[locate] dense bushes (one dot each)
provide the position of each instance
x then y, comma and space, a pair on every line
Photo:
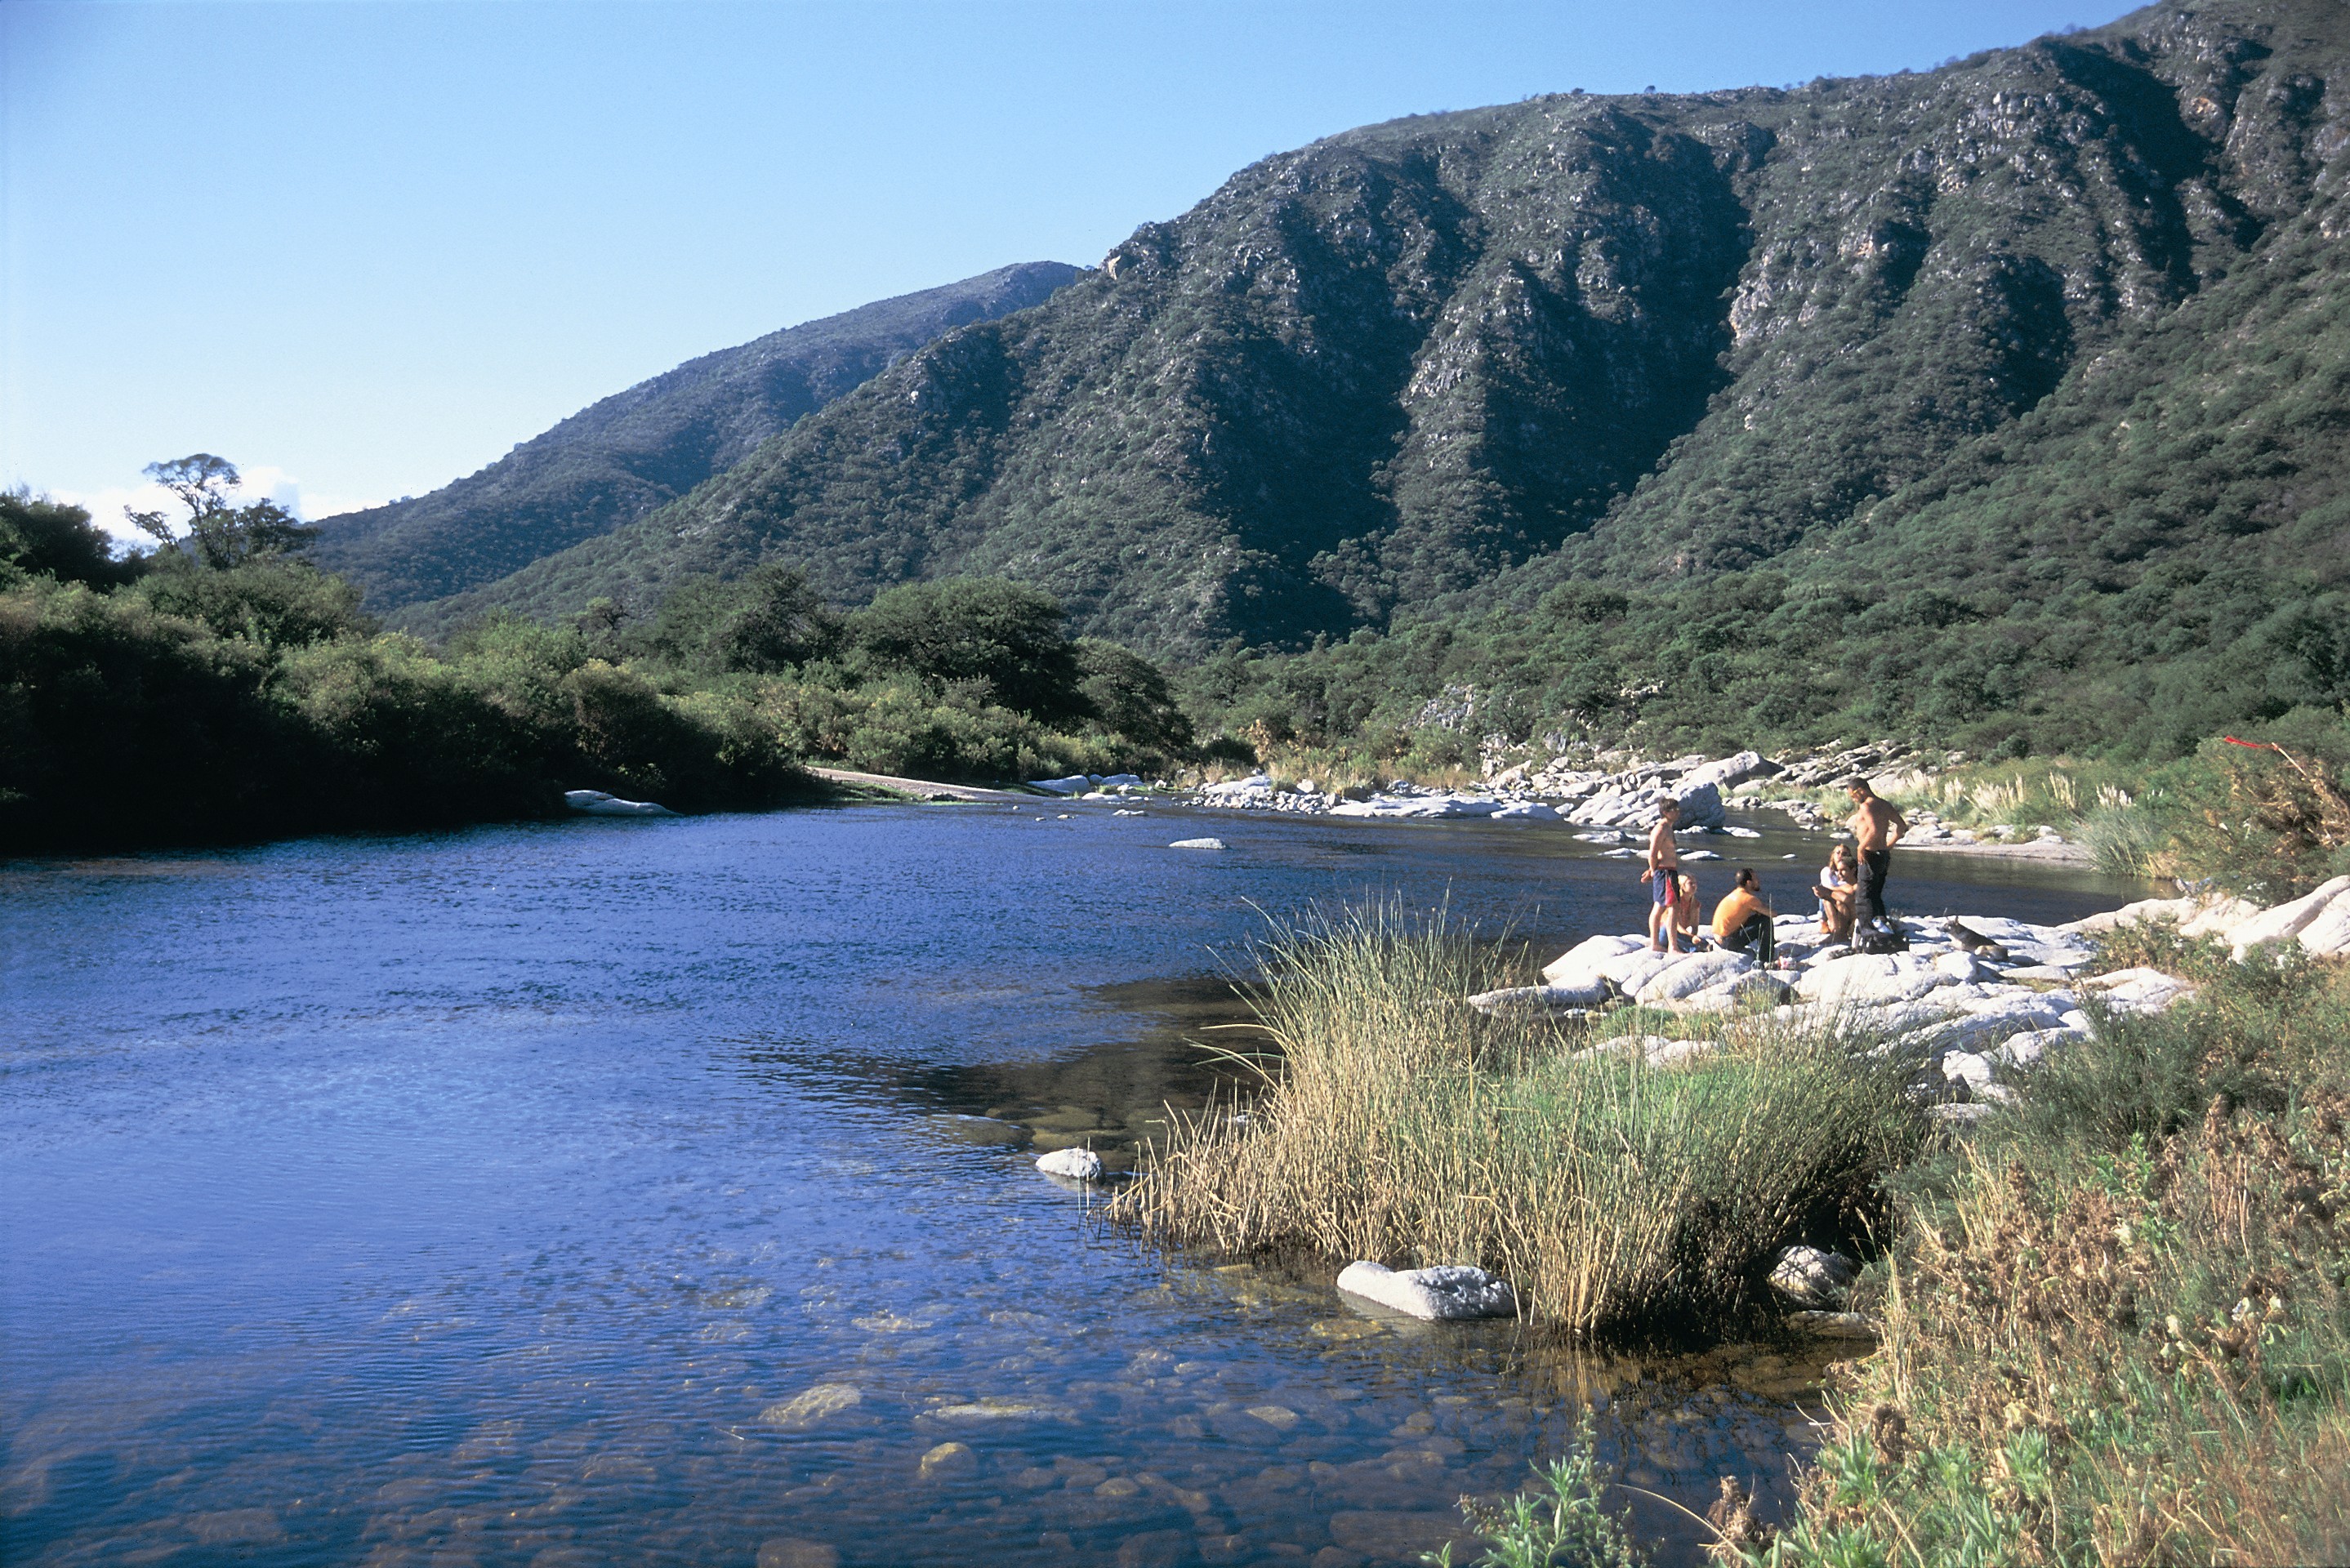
167, 700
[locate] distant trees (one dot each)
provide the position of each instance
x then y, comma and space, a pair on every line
959, 630
219, 533
41, 536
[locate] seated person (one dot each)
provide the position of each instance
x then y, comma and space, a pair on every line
1687, 910
1838, 892
1743, 920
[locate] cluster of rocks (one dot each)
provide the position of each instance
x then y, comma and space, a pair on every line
1627, 799
1096, 786
1976, 1001
2318, 922
1972, 1001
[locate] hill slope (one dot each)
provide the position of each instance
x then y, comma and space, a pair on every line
616, 459
2056, 330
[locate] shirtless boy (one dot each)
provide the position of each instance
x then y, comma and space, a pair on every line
1876, 826
1663, 876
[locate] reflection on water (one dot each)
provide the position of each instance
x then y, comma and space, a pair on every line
662, 1192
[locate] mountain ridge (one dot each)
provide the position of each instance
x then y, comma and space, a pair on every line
625, 454
1448, 364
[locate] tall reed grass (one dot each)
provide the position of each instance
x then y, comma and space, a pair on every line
1400, 1125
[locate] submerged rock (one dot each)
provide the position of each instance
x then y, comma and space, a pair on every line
807, 1410
1198, 844
1443, 1293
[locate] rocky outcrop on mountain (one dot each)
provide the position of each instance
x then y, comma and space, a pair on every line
612, 463
1636, 336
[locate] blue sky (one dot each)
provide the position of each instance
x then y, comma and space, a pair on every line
361, 249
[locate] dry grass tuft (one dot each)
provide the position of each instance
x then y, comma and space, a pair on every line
1400, 1125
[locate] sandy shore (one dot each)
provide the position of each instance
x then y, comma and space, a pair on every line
2034, 849
920, 789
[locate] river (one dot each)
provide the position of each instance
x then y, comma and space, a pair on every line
499, 1197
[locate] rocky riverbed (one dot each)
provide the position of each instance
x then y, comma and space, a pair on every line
1722, 795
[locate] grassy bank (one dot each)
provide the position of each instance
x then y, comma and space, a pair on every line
2115, 1318
1401, 1124
2116, 1325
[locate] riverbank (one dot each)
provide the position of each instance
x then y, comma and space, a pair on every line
1617, 793
2108, 1295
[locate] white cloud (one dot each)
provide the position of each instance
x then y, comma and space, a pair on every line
105, 506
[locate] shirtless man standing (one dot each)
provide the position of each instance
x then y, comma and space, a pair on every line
1663, 878
1876, 826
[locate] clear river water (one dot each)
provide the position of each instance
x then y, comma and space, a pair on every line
650, 1192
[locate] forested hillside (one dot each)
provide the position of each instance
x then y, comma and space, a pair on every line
2005, 402
619, 459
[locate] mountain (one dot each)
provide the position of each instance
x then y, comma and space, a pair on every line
2056, 331
614, 461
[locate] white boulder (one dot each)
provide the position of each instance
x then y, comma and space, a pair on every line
1586, 957
2329, 933
1442, 1293
1729, 771
1967, 1067
1198, 844
595, 803
1542, 999
1076, 784
1692, 973
2286, 919
1960, 967
1079, 1164
1814, 1277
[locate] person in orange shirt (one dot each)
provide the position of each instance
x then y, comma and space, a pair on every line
1742, 919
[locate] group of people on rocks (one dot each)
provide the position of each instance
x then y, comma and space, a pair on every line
1851, 889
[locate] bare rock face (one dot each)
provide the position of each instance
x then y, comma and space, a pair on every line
1447, 1291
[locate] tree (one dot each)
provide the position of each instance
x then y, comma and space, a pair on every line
41, 536
219, 534
778, 621
961, 630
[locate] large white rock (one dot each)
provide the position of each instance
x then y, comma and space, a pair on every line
1700, 805
1730, 770
595, 803
1540, 999
2172, 910
1757, 985
1527, 811
1076, 784
1585, 957
1812, 1277
2026, 1049
2139, 989
1966, 1067
1197, 844
1960, 967
1442, 1293
1082, 1164
2329, 931
2286, 919
1693, 974
2217, 914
